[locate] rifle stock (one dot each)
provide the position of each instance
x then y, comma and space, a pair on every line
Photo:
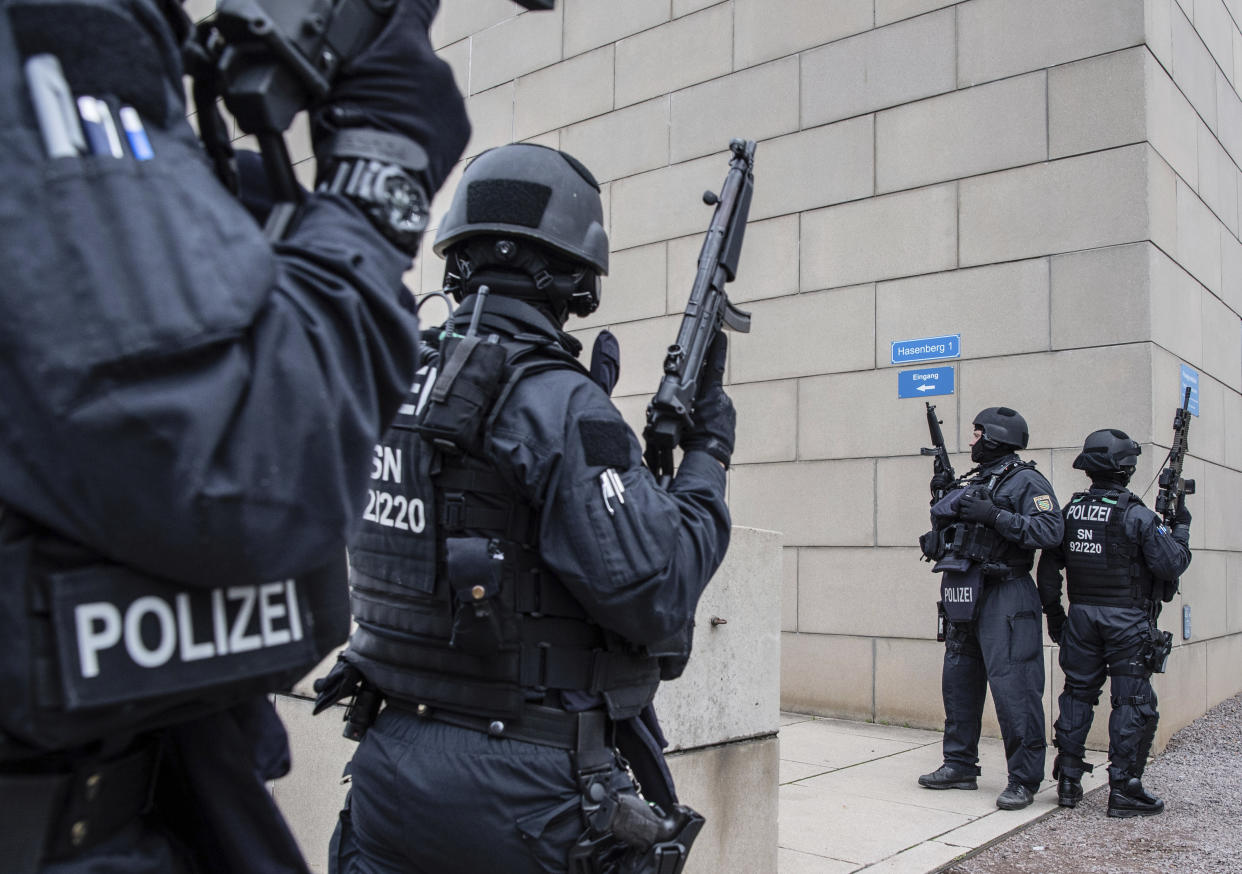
671, 409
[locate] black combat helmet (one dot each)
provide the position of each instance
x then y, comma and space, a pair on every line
515, 195
1108, 451
1002, 426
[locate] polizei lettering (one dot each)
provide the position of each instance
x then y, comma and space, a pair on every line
958, 594
154, 631
1088, 512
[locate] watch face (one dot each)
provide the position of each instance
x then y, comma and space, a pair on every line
403, 201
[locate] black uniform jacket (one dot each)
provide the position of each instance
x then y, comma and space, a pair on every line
635, 556
1029, 515
176, 393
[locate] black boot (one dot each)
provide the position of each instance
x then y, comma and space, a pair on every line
1015, 797
1128, 798
1069, 791
950, 777
1067, 771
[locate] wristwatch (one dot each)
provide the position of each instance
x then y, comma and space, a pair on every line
382, 173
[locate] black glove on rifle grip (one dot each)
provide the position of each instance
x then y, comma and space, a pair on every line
714, 420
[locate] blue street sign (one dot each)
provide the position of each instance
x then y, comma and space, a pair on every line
1190, 377
927, 349
924, 382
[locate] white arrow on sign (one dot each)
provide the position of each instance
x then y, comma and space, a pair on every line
926, 387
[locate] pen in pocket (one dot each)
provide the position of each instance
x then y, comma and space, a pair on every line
139, 143
53, 105
110, 131
92, 126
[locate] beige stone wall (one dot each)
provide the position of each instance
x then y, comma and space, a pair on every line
1057, 181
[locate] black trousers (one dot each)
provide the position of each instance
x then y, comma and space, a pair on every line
1001, 649
211, 809
1097, 642
432, 798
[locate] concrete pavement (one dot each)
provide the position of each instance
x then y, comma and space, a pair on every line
850, 801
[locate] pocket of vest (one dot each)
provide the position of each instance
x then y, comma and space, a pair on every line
481, 624
121, 636
463, 395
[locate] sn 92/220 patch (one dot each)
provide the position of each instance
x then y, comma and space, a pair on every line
1043, 503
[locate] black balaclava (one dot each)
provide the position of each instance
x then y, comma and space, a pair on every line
1106, 479
986, 451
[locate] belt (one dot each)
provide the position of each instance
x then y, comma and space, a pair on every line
56, 815
546, 726
999, 572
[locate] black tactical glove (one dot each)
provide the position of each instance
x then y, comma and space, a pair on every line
1181, 525
714, 419
342, 682
606, 361
976, 506
1056, 622
398, 85
942, 482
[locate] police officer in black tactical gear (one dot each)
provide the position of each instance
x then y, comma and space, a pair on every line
1120, 562
521, 583
187, 416
984, 535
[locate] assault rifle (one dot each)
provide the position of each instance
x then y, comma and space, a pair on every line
671, 409
270, 59
1173, 489
941, 465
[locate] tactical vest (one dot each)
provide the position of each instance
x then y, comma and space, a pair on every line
982, 544
1102, 564
454, 607
90, 649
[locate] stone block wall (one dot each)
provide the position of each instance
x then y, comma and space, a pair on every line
1056, 181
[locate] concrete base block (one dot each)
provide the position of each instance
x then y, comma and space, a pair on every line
734, 786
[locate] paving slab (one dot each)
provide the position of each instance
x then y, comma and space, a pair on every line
795, 862
927, 856
791, 772
854, 828
895, 779
916, 736
850, 799
815, 743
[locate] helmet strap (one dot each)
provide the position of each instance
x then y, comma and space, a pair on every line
531, 276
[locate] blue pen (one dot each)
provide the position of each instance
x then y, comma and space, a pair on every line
92, 125
109, 125
136, 134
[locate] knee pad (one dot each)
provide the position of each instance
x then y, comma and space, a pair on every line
1086, 696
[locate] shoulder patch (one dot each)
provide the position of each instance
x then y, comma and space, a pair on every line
605, 442
1043, 503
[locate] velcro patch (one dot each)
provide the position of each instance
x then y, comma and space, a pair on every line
506, 201
1043, 503
605, 442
